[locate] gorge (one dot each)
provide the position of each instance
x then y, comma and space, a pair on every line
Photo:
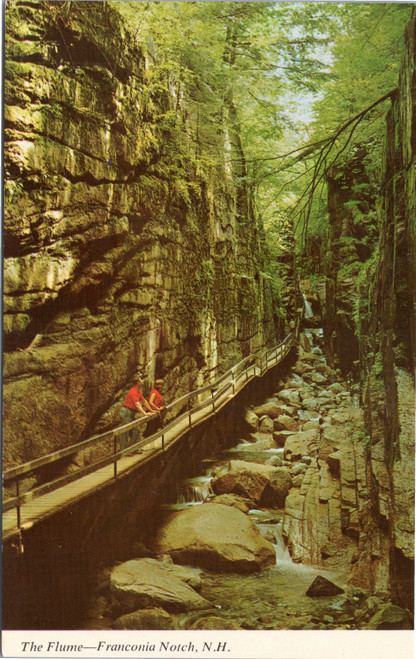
170, 210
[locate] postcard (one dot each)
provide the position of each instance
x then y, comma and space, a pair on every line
209, 267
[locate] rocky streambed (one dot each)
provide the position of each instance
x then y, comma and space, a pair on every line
267, 537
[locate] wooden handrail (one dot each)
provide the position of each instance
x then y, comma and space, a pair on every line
16, 473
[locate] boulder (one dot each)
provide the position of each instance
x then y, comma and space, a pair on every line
311, 425
216, 537
318, 378
259, 437
301, 444
290, 397
262, 445
327, 393
390, 616
285, 422
275, 461
322, 587
147, 582
266, 425
234, 501
298, 468
252, 420
336, 388
310, 404
145, 619
245, 478
297, 481
278, 488
300, 368
272, 410
281, 436
340, 417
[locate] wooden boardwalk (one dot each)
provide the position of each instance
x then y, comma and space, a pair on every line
27, 509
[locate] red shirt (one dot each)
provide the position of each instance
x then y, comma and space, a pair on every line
134, 396
158, 401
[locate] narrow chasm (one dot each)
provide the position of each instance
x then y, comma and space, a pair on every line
296, 484
209, 317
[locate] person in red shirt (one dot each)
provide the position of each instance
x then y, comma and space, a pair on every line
135, 402
155, 398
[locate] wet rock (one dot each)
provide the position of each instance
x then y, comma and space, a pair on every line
390, 616
145, 619
247, 479
318, 378
331, 438
327, 393
298, 445
216, 537
275, 461
310, 425
297, 469
290, 397
285, 422
260, 437
147, 582
310, 404
272, 410
343, 416
293, 384
281, 436
336, 388
214, 622
262, 445
278, 488
266, 425
234, 501
322, 587
300, 368
252, 420
310, 357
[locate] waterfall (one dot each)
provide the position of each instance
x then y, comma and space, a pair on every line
197, 490
282, 553
308, 308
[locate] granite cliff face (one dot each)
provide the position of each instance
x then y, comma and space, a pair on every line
124, 252
383, 298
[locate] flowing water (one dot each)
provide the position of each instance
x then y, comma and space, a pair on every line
274, 598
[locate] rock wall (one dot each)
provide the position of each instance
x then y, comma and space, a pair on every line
385, 329
123, 252
352, 237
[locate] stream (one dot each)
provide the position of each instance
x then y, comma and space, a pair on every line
274, 598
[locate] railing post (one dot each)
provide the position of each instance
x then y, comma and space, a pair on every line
115, 459
233, 381
18, 504
162, 418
